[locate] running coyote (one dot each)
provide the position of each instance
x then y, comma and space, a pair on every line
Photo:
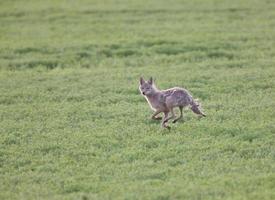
165, 101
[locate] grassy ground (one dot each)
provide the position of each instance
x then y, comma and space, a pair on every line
72, 122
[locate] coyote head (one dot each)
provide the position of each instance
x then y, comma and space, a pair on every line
146, 87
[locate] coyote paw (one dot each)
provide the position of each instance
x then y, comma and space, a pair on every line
166, 127
175, 120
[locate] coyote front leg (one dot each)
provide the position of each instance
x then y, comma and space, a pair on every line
163, 123
166, 119
155, 114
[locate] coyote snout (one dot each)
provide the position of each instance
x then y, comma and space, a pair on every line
164, 101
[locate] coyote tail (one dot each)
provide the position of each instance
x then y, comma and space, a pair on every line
195, 107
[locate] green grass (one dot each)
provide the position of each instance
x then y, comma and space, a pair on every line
74, 126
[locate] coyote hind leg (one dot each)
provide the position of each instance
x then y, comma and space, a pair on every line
175, 120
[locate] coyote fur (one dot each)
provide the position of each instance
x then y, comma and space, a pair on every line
164, 101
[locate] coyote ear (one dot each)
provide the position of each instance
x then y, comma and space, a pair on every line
150, 81
141, 81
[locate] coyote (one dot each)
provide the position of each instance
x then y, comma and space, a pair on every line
166, 100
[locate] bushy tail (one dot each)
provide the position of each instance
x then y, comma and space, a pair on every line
195, 107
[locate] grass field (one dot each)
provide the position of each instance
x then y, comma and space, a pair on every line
74, 126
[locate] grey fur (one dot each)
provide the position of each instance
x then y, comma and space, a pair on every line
164, 101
